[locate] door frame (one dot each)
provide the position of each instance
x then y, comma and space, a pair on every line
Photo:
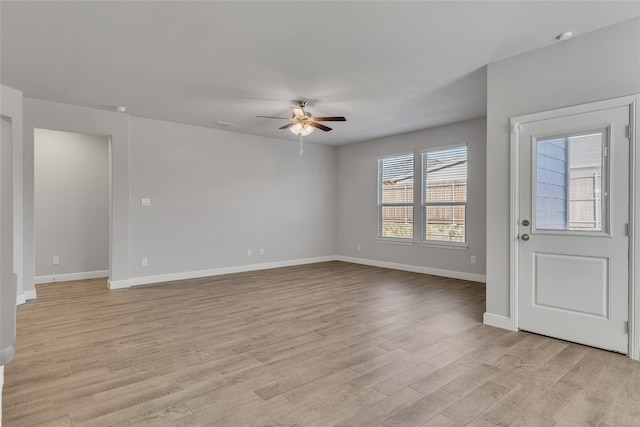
630, 101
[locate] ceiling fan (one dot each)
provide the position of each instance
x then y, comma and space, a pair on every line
302, 123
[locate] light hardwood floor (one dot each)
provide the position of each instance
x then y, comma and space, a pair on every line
316, 345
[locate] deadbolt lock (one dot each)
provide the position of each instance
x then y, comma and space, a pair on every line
525, 222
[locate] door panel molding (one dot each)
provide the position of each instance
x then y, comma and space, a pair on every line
593, 268
634, 215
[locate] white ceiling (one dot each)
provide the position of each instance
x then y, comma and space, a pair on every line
389, 67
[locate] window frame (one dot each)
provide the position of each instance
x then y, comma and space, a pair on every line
424, 204
412, 204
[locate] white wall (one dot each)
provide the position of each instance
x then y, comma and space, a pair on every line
71, 205
8, 286
357, 202
11, 231
11, 104
215, 194
596, 66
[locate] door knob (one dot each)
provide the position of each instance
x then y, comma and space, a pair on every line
525, 237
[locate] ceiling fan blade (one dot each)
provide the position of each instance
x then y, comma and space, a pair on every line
271, 117
319, 126
287, 126
329, 119
298, 112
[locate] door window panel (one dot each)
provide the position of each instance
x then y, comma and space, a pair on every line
569, 182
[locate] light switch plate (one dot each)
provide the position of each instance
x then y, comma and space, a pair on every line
145, 202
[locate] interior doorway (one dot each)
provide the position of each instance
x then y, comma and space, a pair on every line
72, 206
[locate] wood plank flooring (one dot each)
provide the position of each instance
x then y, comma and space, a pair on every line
316, 345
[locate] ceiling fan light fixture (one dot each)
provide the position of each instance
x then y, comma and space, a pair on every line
301, 129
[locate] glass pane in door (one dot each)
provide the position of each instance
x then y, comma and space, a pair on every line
569, 182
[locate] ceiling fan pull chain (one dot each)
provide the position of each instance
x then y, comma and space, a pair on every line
301, 148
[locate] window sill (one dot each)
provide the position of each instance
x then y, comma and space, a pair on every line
445, 245
395, 241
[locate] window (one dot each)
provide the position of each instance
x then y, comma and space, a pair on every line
395, 196
569, 182
444, 194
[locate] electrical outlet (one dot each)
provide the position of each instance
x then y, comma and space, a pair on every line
248, 252
473, 259
261, 251
145, 202
56, 260
359, 247
144, 262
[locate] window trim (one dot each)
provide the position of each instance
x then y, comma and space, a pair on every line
423, 241
396, 240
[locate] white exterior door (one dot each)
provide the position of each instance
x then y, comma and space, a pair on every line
573, 249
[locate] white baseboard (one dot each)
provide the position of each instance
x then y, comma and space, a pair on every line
415, 269
27, 295
71, 276
146, 280
498, 321
118, 284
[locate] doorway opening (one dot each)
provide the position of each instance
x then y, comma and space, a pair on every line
72, 206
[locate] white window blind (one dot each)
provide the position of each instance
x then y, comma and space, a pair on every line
395, 196
444, 194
